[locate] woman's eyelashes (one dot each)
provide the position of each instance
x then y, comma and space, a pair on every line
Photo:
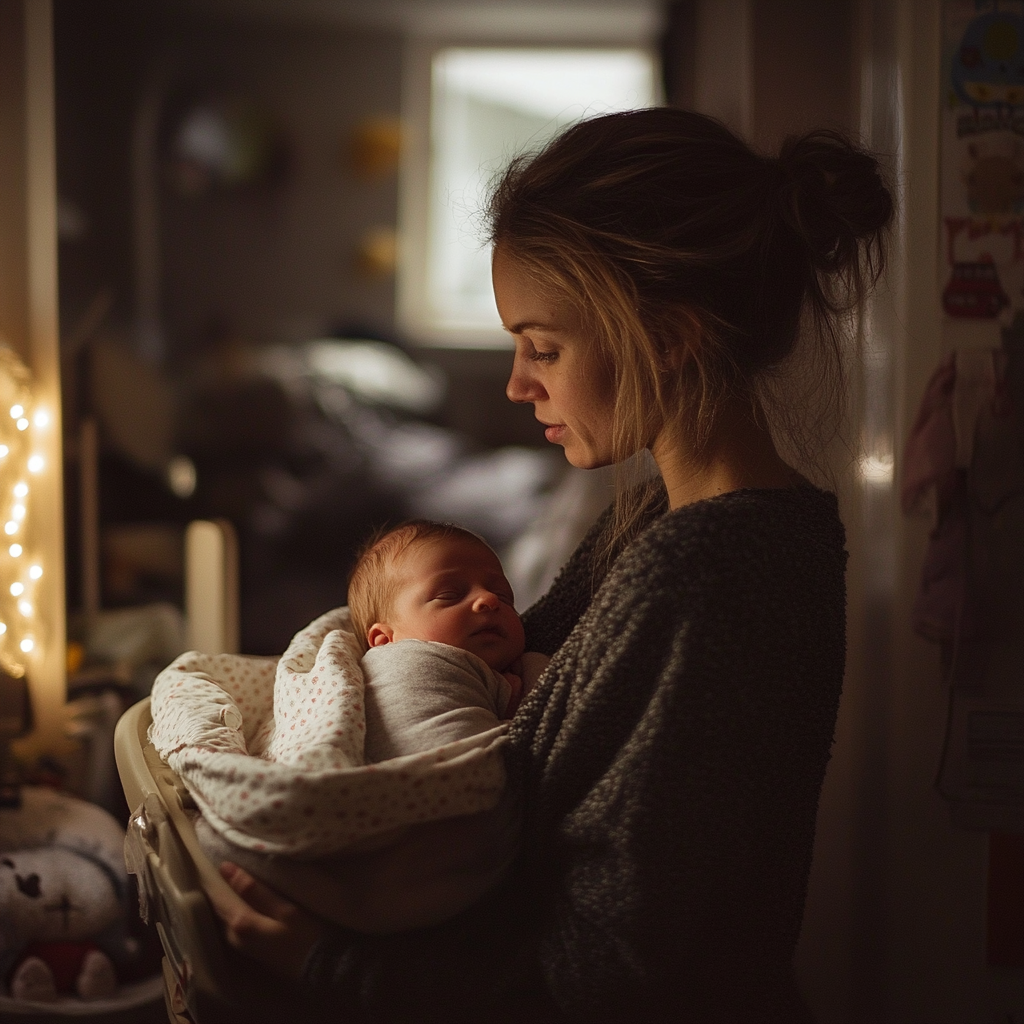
538, 356
535, 354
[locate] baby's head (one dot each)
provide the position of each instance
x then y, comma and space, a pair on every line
435, 581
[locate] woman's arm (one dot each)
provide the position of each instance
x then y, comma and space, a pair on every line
478, 966
676, 768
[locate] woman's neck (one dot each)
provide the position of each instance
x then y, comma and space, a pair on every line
739, 454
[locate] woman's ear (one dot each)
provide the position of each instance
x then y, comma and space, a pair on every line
681, 343
379, 634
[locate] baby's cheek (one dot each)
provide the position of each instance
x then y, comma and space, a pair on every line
448, 633
442, 633
518, 636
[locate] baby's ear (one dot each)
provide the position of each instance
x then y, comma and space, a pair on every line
379, 634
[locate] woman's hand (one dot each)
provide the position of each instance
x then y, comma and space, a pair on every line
269, 929
516, 684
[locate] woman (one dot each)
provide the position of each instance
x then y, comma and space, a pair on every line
654, 273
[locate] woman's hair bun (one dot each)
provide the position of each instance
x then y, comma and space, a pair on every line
834, 197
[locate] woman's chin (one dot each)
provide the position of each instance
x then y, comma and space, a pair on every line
584, 459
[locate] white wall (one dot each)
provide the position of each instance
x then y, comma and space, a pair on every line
895, 924
895, 928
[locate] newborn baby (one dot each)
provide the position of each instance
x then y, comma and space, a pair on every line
416, 593
442, 666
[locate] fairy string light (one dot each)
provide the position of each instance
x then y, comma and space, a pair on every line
23, 424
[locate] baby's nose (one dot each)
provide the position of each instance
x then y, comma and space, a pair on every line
485, 599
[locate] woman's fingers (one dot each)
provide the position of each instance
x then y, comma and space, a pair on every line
259, 896
244, 924
248, 927
266, 927
227, 909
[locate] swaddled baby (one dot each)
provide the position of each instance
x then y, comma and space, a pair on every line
442, 663
422, 597
429, 653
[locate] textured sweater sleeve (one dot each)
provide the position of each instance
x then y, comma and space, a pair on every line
677, 765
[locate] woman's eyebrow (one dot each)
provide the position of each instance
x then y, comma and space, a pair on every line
531, 325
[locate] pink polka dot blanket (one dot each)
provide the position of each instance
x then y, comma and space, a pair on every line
272, 750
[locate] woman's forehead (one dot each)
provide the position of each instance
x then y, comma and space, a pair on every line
524, 303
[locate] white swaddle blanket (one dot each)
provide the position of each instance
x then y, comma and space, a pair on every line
272, 750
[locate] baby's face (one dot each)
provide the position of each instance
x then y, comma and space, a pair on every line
455, 592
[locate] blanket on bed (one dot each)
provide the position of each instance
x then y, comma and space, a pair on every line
272, 750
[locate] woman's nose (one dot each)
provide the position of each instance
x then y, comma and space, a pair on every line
521, 385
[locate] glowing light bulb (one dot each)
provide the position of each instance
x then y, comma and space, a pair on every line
22, 424
42, 418
3, 628
10, 527
16, 411
27, 644
18, 512
36, 463
181, 476
20, 489
25, 608
4, 451
35, 571
14, 550
17, 589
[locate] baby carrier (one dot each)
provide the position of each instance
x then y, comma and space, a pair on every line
205, 981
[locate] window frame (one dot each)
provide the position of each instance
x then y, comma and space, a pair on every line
413, 309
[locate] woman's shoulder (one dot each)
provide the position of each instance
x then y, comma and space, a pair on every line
792, 536
752, 580
740, 594
716, 544
797, 514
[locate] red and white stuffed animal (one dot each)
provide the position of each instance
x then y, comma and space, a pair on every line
55, 901
62, 898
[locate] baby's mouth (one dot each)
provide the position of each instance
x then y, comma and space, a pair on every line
495, 631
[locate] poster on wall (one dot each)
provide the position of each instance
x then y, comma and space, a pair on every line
974, 428
982, 186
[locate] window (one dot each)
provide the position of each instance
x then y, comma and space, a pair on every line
485, 105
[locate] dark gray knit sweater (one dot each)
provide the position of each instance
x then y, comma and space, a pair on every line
670, 763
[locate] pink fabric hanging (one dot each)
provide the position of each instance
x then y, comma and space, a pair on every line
936, 460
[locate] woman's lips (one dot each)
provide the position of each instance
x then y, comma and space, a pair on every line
555, 433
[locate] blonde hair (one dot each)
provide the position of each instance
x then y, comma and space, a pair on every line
692, 260
373, 581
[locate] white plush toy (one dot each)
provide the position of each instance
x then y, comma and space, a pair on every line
56, 901
63, 889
